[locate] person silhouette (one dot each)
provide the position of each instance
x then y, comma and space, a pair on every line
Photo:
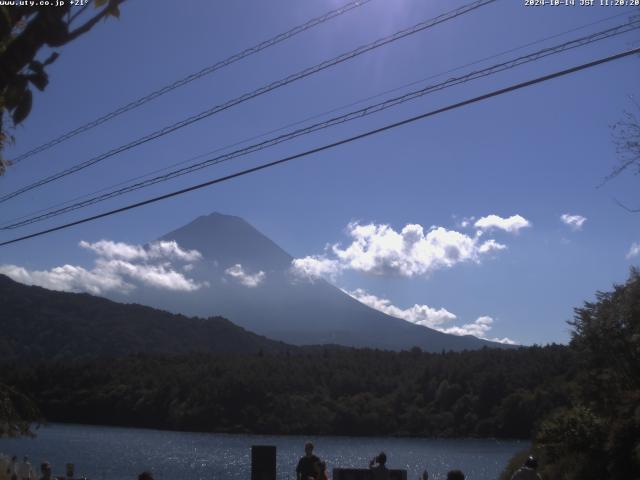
24, 469
378, 467
45, 469
309, 466
528, 470
12, 469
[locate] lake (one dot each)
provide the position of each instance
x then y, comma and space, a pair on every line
112, 453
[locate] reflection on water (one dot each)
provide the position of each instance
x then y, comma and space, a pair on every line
106, 453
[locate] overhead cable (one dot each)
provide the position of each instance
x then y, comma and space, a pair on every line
344, 141
312, 117
193, 76
369, 110
309, 118
255, 93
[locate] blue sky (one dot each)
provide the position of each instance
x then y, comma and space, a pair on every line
538, 153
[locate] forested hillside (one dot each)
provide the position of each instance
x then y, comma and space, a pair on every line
42, 324
335, 391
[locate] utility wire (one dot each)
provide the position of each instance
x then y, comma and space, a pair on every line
344, 141
255, 93
371, 109
194, 76
8, 223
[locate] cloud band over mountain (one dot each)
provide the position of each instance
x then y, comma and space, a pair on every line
120, 267
429, 317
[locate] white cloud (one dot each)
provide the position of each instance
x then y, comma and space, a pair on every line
69, 278
429, 317
116, 269
512, 224
109, 249
419, 314
244, 278
491, 245
466, 222
380, 250
158, 276
171, 250
575, 222
315, 266
634, 251
154, 251
479, 328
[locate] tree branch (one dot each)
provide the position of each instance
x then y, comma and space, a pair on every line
89, 24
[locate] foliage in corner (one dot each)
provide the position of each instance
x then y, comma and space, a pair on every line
626, 137
598, 435
17, 413
24, 30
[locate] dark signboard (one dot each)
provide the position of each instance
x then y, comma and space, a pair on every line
263, 462
365, 474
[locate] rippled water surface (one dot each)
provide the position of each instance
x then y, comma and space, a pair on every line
106, 453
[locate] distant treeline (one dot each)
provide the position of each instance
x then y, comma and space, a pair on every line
485, 393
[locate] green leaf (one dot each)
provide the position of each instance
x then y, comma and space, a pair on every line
40, 80
52, 58
36, 67
99, 3
15, 91
24, 108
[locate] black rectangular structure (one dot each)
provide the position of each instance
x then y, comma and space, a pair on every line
365, 474
263, 462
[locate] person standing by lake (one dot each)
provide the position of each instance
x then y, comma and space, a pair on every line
24, 470
309, 467
378, 467
12, 470
45, 469
527, 471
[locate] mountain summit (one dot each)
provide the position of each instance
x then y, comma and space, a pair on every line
230, 240
249, 281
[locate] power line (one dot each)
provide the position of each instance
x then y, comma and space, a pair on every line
306, 153
10, 223
624, 28
255, 93
371, 109
194, 76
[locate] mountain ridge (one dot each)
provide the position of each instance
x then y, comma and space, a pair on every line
295, 312
44, 324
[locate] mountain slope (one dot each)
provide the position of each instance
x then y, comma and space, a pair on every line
42, 324
283, 307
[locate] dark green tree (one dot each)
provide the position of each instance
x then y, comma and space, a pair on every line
598, 435
24, 31
17, 413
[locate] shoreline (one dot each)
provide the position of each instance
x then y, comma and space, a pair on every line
288, 435
115, 453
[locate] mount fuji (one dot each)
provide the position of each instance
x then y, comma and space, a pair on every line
277, 304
